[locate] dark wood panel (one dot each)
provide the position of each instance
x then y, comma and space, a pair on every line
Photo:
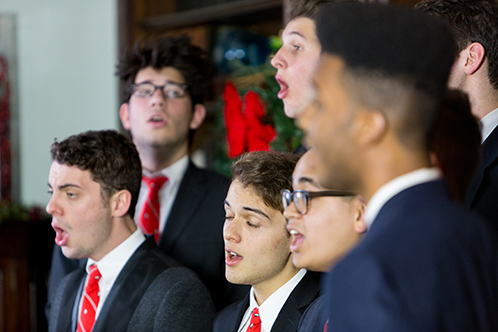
25, 255
242, 9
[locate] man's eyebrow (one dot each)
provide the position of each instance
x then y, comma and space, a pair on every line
304, 179
297, 33
258, 211
226, 203
64, 186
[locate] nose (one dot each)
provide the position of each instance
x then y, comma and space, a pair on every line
53, 208
278, 60
231, 231
291, 213
157, 98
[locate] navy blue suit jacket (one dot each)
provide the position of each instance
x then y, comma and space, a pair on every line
426, 264
193, 236
306, 291
482, 195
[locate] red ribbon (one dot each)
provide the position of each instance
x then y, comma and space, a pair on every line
245, 131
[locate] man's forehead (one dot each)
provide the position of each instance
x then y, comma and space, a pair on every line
302, 27
167, 73
62, 172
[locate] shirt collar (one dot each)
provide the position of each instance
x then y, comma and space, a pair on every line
488, 124
174, 172
394, 187
270, 309
112, 263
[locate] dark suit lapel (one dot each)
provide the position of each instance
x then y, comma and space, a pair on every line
306, 291
489, 155
126, 292
183, 208
233, 325
229, 319
66, 302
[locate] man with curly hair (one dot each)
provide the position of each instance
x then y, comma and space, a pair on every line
127, 284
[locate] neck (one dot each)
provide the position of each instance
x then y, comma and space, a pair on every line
155, 159
121, 229
482, 96
384, 167
263, 290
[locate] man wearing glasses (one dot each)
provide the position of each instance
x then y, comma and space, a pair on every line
257, 249
325, 225
179, 204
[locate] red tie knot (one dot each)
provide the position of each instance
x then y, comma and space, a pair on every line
94, 272
255, 324
155, 183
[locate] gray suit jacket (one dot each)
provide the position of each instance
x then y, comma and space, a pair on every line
193, 236
313, 319
152, 293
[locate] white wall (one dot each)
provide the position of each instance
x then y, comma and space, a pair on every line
67, 52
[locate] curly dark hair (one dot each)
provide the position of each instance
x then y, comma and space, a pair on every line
471, 21
111, 158
167, 51
267, 172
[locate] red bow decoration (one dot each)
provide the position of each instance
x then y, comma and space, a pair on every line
245, 131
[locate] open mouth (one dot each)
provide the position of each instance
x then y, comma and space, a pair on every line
284, 87
232, 258
297, 239
61, 236
157, 119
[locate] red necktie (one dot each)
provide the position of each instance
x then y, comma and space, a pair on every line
149, 217
90, 301
255, 324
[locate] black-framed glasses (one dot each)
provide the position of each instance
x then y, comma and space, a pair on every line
302, 198
171, 90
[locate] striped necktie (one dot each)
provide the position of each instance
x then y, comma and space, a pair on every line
91, 296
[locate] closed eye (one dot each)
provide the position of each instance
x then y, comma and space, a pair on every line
250, 224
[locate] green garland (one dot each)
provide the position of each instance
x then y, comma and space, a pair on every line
260, 79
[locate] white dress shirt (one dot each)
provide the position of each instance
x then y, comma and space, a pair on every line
394, 187
111, 265
488, 124
168, 191
270, 309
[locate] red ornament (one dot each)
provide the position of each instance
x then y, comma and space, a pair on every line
245, 131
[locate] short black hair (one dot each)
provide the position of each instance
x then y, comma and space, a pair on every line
389, 39
397, 60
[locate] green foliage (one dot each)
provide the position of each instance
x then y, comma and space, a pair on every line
260, 79
19, 212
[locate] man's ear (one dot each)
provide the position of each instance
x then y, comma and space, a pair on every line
198, 116
124, 114
120, 203
370, 126
475, 58
359, 211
